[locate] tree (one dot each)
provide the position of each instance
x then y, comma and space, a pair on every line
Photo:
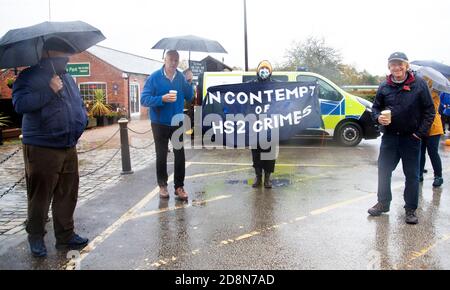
316, 56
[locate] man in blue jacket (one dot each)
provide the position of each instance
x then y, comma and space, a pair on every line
164, 93
409, 120
54, 117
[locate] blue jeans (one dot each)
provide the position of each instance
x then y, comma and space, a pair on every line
431, 144
392, 149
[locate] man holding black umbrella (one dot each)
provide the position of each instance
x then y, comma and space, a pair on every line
54, 117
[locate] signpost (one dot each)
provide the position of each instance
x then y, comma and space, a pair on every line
197, 68
79, 69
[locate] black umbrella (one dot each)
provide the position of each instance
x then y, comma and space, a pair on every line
440, 67
189, 43
23, 46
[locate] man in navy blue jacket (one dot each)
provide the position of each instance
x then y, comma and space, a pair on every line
54, 117
403, 106
164, 93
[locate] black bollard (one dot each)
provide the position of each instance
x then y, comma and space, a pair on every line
125, 147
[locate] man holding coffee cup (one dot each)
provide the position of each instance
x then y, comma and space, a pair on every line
403, 106
164, 93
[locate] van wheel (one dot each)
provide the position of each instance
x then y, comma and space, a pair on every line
349, 134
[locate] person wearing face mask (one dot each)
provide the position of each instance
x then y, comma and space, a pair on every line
54, 117
263, 75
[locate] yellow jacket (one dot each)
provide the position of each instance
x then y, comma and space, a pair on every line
436, 127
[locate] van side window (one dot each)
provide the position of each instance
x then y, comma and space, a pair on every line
327, 92
280, 78
247, 79
306, 79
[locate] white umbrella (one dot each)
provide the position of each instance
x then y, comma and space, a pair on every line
440, 82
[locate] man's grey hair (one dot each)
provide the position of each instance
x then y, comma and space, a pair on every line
172, 52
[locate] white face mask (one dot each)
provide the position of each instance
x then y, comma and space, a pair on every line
264, 73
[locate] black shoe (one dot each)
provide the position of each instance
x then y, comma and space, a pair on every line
438, 181
378, 209
267, 181
37, 247
411, 217
258, 181
75, 243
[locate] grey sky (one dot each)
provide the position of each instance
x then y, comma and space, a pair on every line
365, 32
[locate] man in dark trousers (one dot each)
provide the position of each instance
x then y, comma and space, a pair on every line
54, 117
403, 106
263, 74
164, 93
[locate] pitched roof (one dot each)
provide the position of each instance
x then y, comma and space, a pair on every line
124, 61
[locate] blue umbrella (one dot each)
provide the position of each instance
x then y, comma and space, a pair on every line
24, 46
440, 67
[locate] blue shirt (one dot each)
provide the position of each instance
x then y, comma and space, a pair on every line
156, 86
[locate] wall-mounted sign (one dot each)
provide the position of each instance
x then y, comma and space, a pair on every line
79, 69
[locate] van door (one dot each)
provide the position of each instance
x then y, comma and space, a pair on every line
332, 105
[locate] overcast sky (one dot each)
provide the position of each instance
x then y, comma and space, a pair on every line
365, 32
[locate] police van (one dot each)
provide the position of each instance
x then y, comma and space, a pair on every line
346, 117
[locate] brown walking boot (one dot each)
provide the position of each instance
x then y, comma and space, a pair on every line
181, 194
163, 192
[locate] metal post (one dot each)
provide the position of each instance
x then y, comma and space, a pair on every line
125, 147
245, 35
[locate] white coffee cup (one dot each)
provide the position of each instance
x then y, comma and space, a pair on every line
173, 92
387, 114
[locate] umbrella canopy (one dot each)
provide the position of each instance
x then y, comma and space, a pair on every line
24, 46
189, 43
440, 67
440, 83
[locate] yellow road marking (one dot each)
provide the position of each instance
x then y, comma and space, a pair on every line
278, 164
217, 173
415, 255
276, 226
153, 212
340, 204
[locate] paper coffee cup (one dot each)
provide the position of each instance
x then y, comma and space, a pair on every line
387, 113
173, 92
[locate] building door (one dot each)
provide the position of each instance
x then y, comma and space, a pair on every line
134, 98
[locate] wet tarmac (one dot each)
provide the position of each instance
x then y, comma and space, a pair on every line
315, 217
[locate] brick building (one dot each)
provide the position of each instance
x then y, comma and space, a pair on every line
121, 75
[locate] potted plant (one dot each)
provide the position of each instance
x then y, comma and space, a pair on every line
92, 121
10, 82
99, 109
4, 121
113, 117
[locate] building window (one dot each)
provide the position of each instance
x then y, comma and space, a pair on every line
87, 90
134, 98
